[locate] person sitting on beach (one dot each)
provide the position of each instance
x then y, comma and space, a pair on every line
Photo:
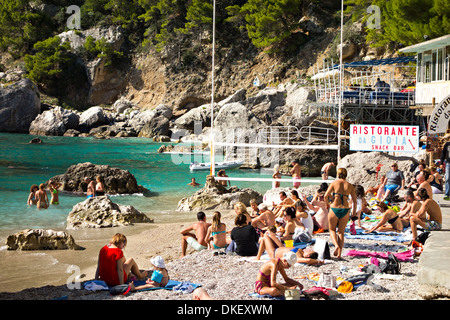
376, 190
320, 207
394, 181
193, 183
200, 293
32, 198
339, 190
429, 207
361, 203
90, 192
326, 169
411, 205
285, 202
42, 198
244, 237
304, 217
296, 173
389, 216
422, 179
222, 174
266, 280
53, 186
241, 208
160, 275
276, 175
265, 219
437, 182
254, 207
112, 267
292, 223
99, 186
197, 240
216, 236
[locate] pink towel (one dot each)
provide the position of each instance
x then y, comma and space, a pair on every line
406, 256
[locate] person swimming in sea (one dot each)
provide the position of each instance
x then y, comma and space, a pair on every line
32, 200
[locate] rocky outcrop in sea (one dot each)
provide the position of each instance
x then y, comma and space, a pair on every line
41, 239
101, 212
116, 180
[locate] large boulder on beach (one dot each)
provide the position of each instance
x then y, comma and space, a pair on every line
116, 181
215, 196
19, 106
361, 167
41, 239
101, 212
54, 122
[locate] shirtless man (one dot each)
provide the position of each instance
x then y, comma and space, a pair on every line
197, 240
320, 207
411, 205
285, 202
325, 170
296, 173
430, 207
41, 196
193, 183
90, 192
265, 219
422, 179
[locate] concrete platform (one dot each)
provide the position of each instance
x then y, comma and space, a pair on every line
434, 262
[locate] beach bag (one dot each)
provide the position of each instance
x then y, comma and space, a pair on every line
301, 235
121, 289
322, 249
326, 281
392, 266
292, 294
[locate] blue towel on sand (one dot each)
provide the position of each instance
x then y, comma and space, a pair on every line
379, 236
256, 295
170, 285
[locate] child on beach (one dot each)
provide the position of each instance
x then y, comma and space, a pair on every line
160, 276
361, 203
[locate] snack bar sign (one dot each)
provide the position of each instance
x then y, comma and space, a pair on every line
384, 138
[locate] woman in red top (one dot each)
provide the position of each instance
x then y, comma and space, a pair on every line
112, 266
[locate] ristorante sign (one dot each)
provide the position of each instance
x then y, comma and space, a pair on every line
439, 117
384, 138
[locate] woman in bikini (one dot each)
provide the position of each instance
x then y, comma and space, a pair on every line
389, 216
53, 186
338, 216
41, 196
216, 236
32, 199
266, 280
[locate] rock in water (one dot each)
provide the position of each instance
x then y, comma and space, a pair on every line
215, 196
116, 181
40, 239
101, 212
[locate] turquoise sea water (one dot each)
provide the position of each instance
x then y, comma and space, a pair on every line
23, 164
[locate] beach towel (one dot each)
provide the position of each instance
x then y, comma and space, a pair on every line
406, 256
181, 286
96, 285
256, 295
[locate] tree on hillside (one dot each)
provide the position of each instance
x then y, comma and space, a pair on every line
408, 21
268, 22
21, 25
46, 66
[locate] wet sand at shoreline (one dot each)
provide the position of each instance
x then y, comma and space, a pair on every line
27, 269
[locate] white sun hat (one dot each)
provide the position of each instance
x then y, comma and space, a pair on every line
158, 262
